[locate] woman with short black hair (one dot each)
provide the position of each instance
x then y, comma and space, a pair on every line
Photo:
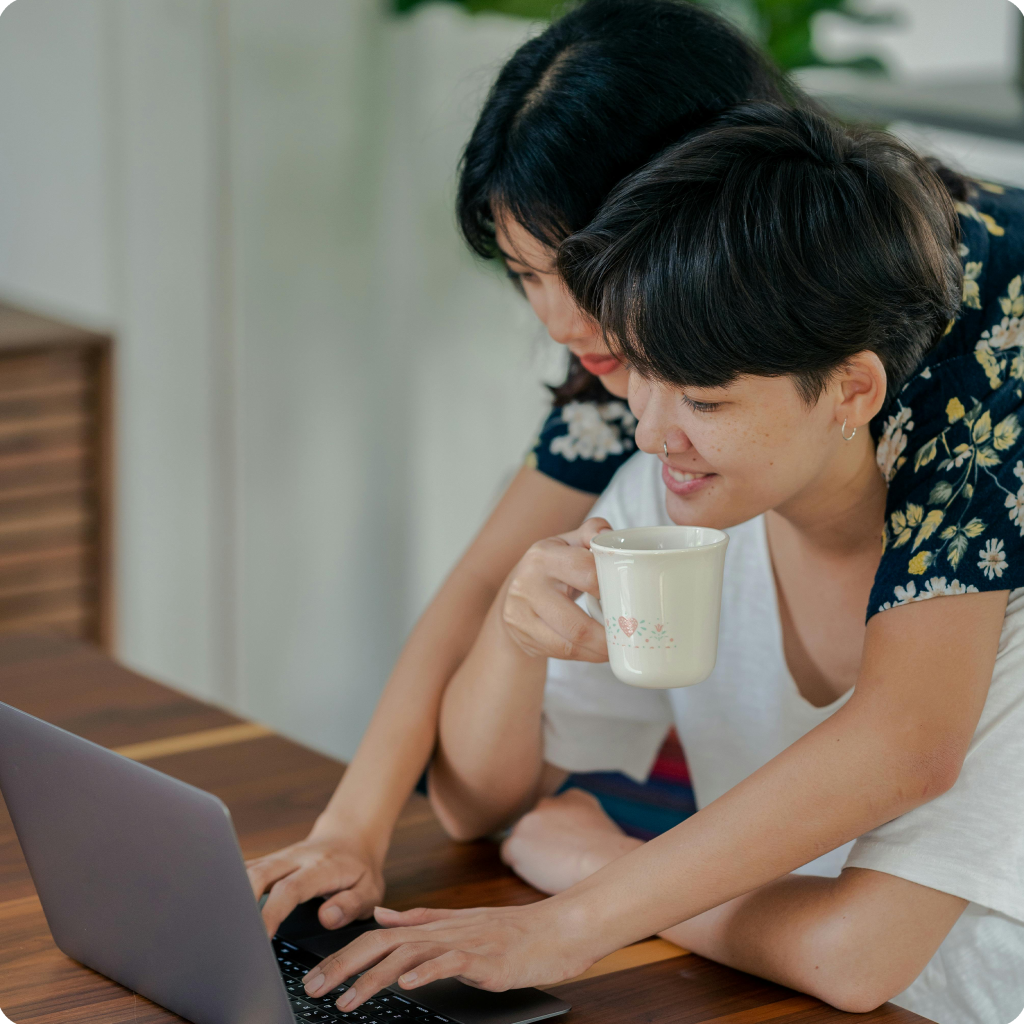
785, 293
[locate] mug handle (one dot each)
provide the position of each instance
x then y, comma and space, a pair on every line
594, 609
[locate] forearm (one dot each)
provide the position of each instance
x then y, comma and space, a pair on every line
843, 779
776, 932
898, 742
488, 767
854, 941
403, 730
402, 733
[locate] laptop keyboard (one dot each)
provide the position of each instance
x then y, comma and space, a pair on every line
383, 1008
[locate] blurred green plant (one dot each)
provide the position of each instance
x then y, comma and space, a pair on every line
783, 27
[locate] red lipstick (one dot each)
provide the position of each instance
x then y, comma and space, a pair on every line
600, 366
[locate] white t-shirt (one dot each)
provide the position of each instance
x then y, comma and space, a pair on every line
968, 842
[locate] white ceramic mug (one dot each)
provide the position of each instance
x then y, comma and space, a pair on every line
661, 597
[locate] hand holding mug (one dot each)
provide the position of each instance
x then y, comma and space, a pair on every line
540, 610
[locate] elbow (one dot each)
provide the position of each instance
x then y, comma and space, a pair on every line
853, 999
861, 988
930, 772
849, 989
919, 769
851, 969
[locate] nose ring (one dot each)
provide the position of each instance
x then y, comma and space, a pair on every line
664, 446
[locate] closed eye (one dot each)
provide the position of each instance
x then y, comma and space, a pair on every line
519, 276
701, 406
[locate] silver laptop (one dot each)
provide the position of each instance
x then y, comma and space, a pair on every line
141, 878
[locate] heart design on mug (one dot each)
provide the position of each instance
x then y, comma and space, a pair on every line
628, 626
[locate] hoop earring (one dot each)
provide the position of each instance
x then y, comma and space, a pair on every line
842, 430
664, 448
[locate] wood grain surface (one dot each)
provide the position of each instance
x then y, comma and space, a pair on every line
56, 465
274, 789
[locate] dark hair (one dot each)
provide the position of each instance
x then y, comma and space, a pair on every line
774, 243
590, 100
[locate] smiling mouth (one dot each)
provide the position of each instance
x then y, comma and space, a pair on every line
685, 478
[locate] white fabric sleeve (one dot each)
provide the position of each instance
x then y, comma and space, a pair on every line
969, 841
594, 723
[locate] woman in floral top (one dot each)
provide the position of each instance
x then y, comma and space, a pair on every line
573, 111
777, 284
577, 80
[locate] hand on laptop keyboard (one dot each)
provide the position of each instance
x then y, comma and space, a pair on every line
383, 1008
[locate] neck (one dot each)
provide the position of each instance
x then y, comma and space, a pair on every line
842, 512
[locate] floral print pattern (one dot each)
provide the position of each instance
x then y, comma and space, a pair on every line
951, 445
625, 632
582, 444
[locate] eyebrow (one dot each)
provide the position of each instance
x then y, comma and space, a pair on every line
516, 259
512, 259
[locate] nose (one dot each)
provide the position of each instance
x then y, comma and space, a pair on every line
565, 321
657, 427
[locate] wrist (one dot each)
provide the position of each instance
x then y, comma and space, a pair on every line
598, 912
576, 918
596, 858
371, 842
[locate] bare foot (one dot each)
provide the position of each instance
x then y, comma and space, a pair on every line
563, 840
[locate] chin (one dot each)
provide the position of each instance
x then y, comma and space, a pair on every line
616, 383
704, 510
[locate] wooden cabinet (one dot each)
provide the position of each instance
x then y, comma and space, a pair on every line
55, 478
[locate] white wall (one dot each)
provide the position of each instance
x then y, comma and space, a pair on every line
320, 393
54, 231
969, 38
108, 216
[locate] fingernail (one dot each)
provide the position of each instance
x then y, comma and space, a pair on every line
408, 978
314, 984
332, 915
347, 999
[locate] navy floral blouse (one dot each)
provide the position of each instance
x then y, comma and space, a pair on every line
950, 446
583, 443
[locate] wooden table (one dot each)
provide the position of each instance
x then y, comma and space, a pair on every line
275, 788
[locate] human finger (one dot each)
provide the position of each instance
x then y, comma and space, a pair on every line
346, 906
570, 567
359, 955
286, 894
419, 915
538, 639
559, 627
402, 961
591, 528
476, 970
263, 872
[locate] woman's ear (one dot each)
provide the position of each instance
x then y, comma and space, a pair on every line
861, 389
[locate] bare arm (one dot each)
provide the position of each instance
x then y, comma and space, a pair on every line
345, 851
898, 742
489, 764
854, 941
